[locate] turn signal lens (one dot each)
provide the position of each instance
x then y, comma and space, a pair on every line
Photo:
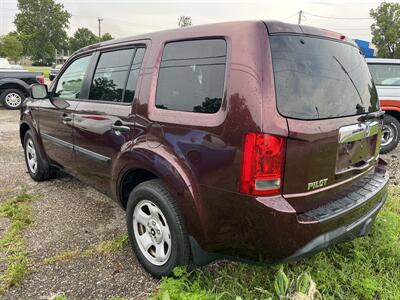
262, 164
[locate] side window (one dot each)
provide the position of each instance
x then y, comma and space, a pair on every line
192, 75
70, 83
134, 75
110, 75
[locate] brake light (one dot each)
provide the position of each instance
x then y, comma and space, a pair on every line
262, 164
40, 79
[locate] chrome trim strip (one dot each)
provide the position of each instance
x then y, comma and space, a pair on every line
77, 149
358, 132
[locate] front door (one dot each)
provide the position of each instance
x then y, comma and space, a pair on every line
104, 123
56, 116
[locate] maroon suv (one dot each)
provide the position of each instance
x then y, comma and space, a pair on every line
251, 140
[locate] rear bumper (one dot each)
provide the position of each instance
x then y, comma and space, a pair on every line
269, 230
343, 233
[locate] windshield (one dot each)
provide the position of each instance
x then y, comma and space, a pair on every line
385, 74
317, 78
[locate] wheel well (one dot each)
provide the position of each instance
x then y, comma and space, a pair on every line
22, 131
14, 86
393, 113
131, 180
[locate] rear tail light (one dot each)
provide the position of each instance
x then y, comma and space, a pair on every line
262, 164
40, 79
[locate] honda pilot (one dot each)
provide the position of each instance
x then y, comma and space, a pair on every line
249, 140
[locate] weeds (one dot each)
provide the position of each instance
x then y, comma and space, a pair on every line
367, 268
105, 247
12, 244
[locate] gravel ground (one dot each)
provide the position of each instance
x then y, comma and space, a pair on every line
72, 216
68, 216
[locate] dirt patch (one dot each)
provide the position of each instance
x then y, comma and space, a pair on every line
68, 216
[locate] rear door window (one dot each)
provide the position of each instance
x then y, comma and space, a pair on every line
385, 74
318, 78
192, 76
133, 76
110, 76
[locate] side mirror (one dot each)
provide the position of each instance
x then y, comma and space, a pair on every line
51, 77
39, 91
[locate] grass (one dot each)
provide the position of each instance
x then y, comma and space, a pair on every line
44, 70
12, 244
367, 268
105, 247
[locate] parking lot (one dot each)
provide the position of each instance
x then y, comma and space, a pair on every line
72, 226
74, 243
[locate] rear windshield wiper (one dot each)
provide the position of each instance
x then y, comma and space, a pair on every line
348, 75
372, 115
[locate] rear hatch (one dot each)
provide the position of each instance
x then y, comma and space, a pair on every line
326, 93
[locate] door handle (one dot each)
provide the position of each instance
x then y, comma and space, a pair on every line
120, 128
66, 118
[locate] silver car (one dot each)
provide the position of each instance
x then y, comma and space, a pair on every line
386, 75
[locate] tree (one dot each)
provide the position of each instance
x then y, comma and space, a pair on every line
42, 26
82, 38
184, 21
386, 29
106, 37
11, 47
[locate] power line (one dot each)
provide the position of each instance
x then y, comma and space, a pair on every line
291, 16
334, 18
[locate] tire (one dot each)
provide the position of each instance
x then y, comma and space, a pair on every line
12, 98
39, 168
144, 200
390, 134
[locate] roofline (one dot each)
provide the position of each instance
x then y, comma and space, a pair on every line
273, 27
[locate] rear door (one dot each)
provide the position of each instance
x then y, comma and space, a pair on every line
324, 90
56, 116
104, 121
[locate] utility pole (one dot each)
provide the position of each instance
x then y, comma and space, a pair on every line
300, 16
100, 19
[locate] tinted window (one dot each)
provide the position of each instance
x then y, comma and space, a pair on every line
133, 75
192, 75
318, 78
385, 74
110, 75
70, 83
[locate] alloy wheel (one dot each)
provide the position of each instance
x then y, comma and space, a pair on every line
13, 99
388, 133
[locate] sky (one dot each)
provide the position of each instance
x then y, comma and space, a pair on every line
125, 18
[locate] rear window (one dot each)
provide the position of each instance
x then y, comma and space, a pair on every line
317, 78
192, 75
385, 74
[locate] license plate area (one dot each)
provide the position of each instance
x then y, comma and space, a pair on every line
358, 147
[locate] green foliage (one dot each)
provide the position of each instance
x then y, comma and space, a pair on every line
367, 268
106, 37
18, 210
11, 47
184, 21
42, 26
386, 29
82, 37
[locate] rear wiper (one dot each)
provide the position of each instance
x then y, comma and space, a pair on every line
372, 115
348, 75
